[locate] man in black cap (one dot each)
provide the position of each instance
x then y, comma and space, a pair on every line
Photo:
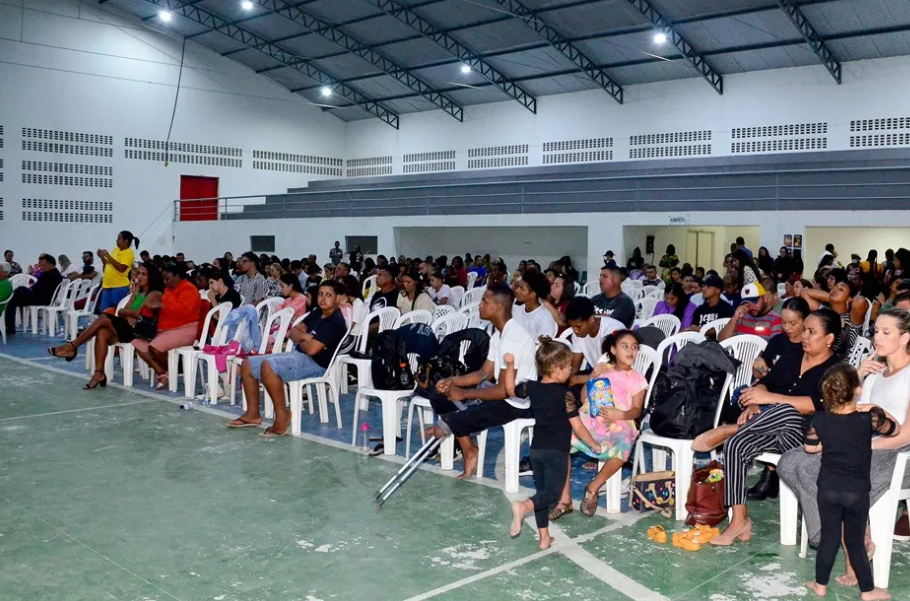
714, 307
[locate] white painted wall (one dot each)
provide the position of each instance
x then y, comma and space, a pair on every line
79, 67
859, 240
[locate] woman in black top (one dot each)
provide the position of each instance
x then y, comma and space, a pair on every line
844, 481
772, 419
786, 346
555, 407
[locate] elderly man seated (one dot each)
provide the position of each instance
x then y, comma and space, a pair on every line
497, 407
316, 338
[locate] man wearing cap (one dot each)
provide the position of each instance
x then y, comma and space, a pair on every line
713, 306
756, 315
608, 259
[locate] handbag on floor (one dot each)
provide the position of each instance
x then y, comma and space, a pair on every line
705, 502
654, 490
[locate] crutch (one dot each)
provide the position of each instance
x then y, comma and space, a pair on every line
406, 470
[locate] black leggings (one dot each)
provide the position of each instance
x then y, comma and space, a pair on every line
846, 512
550, 470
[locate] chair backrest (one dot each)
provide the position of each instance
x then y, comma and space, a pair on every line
859, 351
578, 288
472, 312
442, 311
122, 304
647, 359
473, 296
867, 319
661, 285
646, 307
68, 294
265, 309
22, 279
369, 287
289, 344
283, 319
217, 337
386, 316
646, 290
60, 294
447, 324
633, 292
457, 293
207, 324
472, 279
717, 325
415, 316
567, 334
782, 290
668, 324
746, 348
671, 344
592, 288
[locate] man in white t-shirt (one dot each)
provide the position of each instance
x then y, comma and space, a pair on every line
531, 290
497, 407
590, 331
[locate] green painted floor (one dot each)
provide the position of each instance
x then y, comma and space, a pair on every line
113, 495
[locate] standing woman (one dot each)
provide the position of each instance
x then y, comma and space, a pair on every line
118, 263
178, 318
746, 271
668, 262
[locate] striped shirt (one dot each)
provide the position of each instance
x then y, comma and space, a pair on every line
765, 326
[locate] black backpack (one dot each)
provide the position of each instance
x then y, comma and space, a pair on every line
390, 367
447, 364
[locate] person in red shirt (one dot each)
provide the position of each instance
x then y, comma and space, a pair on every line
178, 319
755, 315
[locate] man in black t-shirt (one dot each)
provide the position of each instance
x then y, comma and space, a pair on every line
386, 294
714, 307
612, 301
316, 338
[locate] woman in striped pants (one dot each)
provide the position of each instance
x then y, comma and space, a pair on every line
772, 420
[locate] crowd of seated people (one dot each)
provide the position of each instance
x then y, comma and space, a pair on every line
809, 328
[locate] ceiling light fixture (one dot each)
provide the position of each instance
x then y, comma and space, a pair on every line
465, 69
246, 5
660, 38
165, 16
326, 91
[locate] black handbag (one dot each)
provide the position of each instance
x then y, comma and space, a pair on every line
146, 329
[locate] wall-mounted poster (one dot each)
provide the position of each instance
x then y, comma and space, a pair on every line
788, 240
797, 241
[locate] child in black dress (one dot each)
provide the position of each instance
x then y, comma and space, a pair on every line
555, 407
843, 434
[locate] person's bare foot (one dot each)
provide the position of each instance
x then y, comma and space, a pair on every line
876, 594
517, 519
63, 351
713, 438
545, 541
819, 589
434, 432
848, 579
470, 465
245, 422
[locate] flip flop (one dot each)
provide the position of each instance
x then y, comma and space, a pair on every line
588, 505
269, 433
560, 510
242, 424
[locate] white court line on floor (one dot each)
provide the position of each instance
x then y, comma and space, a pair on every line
569, 547
126, 404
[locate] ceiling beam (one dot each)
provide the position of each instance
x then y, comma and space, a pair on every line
468, 57
565, 47
692, 56
816, 43
219, 24
356, 47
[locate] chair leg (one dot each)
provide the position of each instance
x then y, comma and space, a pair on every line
213, 382
482, 452
190, 373
407, 436
684, 465
804, 540
127, 365
614, 492
323, 406
512, 445
336, 400
447, 453
295, 398
172, 384
389, 413
881, 521
789, 509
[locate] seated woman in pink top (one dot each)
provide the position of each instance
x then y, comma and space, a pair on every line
676, 302
292, 292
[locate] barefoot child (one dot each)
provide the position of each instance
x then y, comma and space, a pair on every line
843, 434
555, 409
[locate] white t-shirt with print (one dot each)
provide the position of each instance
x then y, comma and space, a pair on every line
589, 346
516, 340
444, 292
538, 322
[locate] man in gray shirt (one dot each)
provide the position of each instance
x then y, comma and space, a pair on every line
612, 301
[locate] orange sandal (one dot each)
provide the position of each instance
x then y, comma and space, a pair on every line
682, 540
658, 534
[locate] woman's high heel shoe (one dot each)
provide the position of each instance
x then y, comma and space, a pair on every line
53, 351
729, 536
102, 382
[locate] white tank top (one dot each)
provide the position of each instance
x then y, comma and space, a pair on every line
891, 394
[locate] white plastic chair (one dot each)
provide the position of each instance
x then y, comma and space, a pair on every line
868, 318
68, 298
415, 316
283, 319
369, 287
17, 281
662, 285
472, 279
650, 290
127, 352
387, 318
860, 350
881, 519
591, 288
717, 325
57, 301
190, 354
672, 344
457, 293
472, 312
326, 382
3, 305
391, 401
265, 309
473, 296
442, 311
668, 324
646, 307
72, 317
453, 322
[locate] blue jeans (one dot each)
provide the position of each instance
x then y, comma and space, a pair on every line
287, 366
111, 297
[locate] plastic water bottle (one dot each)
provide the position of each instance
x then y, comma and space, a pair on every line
206, 395
187, 405
365, 437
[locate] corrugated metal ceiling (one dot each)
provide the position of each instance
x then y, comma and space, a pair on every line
734, 36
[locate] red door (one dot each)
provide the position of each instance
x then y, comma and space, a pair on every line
193, 187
